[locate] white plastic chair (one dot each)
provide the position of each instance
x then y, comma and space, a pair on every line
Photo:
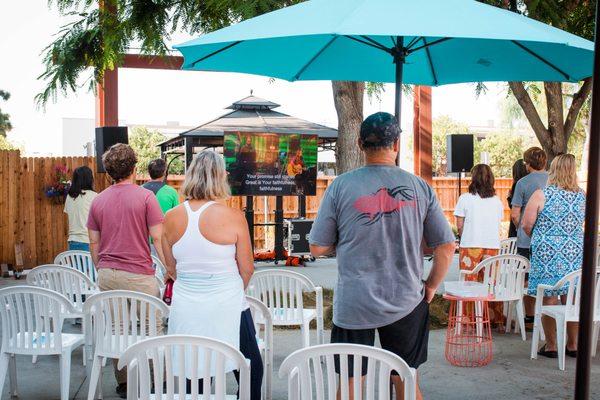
263, 324
159, 351
504, 275
118, 320
309, 377
69, 282
32, 321
281, 291
80, 260
508, 246
563, 313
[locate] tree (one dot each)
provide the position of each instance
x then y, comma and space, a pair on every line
503, 150
5, 125
5, 144
145, 144
575, 16
99, 36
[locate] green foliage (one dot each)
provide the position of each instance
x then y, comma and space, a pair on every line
5, 144
145, 144
97, 37
503, 150
5, 125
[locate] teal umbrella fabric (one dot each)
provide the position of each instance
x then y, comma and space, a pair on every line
432, 42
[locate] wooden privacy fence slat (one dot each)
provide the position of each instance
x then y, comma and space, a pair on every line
28, 218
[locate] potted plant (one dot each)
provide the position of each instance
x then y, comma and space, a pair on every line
57, 191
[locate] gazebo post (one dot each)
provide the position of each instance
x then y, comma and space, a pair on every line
189, 151
249, 211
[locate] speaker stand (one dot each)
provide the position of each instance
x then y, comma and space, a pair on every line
459, 185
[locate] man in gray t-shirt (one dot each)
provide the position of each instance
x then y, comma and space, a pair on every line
376, 218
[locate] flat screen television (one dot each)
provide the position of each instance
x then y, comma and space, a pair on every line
271, 164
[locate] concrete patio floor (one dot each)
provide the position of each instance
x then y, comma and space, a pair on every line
511, 374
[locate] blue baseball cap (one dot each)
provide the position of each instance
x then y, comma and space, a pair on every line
379, 130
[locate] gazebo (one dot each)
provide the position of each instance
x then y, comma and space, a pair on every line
250, 114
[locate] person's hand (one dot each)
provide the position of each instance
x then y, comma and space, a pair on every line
429, 293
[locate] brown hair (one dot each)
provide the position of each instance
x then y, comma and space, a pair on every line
119, 161
157, 168
482, 181
563, 173
536, 158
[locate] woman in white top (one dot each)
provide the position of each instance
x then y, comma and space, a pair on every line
478, 219
209, 255
77, 207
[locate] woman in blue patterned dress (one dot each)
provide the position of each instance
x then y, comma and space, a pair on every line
554, 219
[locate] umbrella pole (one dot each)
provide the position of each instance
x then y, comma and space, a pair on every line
399, 57
588, 275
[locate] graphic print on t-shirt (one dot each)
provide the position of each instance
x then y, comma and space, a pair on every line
373, 207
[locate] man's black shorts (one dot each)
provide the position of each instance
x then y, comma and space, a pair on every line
407, 338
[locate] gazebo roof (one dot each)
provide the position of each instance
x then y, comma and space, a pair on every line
251, 114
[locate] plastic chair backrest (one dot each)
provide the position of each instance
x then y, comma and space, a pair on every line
311, 373
508, 246
261, 315
32, 320
171, 355
504, 275
69, 282
281, 292
121, 318
80, 260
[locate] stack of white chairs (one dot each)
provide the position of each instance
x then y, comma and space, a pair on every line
281, 291
32, 321
311, 373
118, 319
79, 260
504, 276
152, 360
159, 272
564, 313
263, 324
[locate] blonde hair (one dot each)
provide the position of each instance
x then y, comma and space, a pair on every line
563, 173
206, 178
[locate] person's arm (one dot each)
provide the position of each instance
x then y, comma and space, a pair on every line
533, 208
167, 250
323, 234
442, 258
460, 224
156, 233
516, 204
94, 243
243, 249
439, 236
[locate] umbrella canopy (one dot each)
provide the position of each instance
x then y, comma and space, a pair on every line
436, 41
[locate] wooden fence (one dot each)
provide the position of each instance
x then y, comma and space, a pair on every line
39, 226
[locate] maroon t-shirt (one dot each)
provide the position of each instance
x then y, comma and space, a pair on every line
123, 214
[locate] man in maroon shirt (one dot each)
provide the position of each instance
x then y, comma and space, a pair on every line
120, 220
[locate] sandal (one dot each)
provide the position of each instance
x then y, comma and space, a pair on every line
545, 353
571, 353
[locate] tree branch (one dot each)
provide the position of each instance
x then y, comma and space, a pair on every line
554, 105
530, 111
579, 99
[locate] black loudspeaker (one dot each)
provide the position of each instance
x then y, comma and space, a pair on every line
106, 137
459, 153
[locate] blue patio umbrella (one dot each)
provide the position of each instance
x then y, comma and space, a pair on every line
426, 42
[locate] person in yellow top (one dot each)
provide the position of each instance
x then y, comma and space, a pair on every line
77, 207
296, 164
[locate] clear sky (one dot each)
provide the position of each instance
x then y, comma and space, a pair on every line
155, 97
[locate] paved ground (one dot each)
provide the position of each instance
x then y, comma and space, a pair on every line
511, 375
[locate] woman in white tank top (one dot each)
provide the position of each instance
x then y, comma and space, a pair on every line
209, 255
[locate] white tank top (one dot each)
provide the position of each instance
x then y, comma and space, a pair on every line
196, 254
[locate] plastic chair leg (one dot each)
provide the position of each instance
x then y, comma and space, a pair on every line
521, 318
65, 373
535, 338
305, 329
12, 371
595, 338
94, 377
4, 360
561, 333
33, 359
508, 312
